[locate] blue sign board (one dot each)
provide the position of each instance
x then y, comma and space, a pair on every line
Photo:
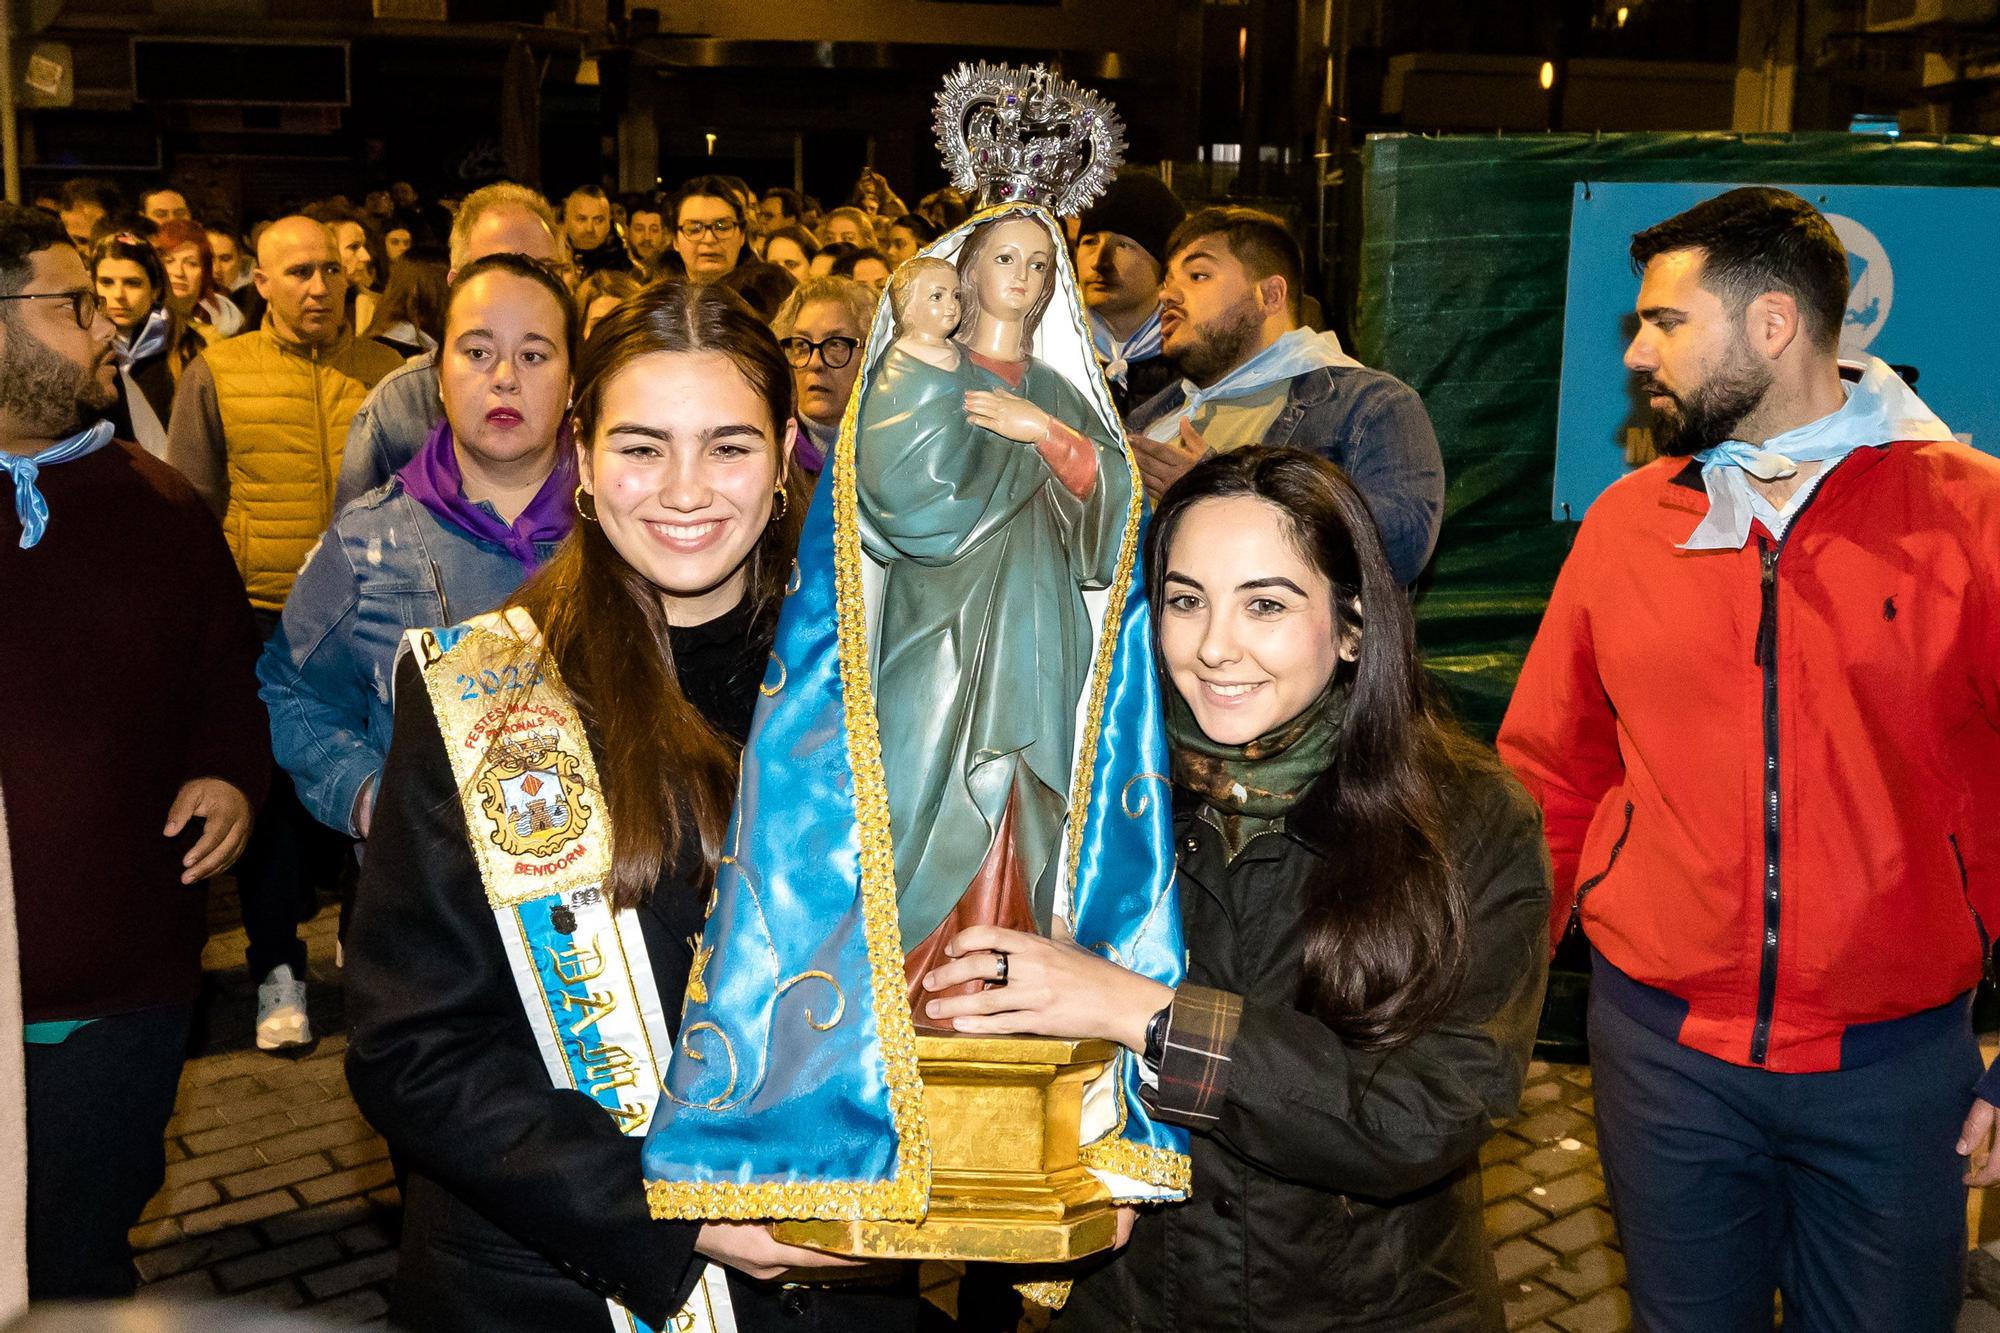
1925, 269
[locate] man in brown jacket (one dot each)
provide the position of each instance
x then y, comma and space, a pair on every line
258, 426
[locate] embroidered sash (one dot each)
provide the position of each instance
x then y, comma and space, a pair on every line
540, 833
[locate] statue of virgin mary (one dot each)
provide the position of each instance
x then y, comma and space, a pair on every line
961, 722
993, 500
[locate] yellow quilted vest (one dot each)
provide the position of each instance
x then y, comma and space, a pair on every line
285, 408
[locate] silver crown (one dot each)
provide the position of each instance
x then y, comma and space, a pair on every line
1027, 136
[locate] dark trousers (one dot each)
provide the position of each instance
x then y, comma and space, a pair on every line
272, 883
98, 1106
1841, 1190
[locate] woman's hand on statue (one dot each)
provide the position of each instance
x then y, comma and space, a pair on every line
751, 1249
1054, 988
1007, 415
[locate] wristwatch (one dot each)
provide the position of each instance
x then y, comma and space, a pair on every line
1156, 1038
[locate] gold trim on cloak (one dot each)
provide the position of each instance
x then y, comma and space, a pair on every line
905, 1195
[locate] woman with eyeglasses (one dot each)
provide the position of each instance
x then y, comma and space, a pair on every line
708, 228
153, 343
821, 326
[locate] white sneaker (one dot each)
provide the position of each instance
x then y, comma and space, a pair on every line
281, 1011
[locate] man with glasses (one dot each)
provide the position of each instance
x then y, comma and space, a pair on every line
779, 207
708, 228
134, 752
821, 326
259, 423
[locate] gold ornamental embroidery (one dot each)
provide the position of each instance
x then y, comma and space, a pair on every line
1156, 1166
697, 988
527, 785
839, 998
533, 795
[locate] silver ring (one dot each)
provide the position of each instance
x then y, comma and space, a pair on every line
1001, 980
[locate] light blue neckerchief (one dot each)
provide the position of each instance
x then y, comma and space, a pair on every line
1880, 409
150, 341
1143, 345
29, 506
1297, 353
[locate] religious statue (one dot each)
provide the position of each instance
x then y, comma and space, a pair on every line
989, 514
961, 725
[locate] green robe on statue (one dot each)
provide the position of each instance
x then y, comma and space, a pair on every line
983, 646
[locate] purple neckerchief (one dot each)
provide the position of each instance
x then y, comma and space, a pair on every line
433, 481
808, 452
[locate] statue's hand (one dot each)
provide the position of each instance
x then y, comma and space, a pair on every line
1007, 415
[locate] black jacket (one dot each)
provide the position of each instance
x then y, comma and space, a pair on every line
524, 1206
1340, 1189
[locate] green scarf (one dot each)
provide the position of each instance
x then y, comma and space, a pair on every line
1262, 780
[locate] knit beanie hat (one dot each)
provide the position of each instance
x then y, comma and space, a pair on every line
1138, 205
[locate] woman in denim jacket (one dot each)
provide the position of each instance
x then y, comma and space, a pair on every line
449, 536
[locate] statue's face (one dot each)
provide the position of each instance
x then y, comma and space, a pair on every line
932, 307
1014, 269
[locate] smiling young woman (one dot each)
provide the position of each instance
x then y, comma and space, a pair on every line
1365, 895
642, 642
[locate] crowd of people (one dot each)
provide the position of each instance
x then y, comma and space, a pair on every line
245, 464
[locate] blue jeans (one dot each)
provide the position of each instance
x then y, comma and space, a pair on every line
1839, 1190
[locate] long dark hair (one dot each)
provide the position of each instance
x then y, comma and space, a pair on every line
668, 776
1385, 919
183, 343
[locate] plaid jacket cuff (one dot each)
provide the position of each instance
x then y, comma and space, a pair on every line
1194, 1068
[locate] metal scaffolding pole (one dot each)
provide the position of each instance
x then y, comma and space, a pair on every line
10, 137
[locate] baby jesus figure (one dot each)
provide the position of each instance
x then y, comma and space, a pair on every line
923, 299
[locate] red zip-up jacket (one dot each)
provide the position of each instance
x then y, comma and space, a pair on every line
1771, 776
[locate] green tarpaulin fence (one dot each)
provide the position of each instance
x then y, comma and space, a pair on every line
1463, 259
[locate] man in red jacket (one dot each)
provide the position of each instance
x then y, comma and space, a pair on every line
1762, 718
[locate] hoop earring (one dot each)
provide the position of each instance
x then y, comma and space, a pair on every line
587, 515
781, 502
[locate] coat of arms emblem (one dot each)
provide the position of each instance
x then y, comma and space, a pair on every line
534, 796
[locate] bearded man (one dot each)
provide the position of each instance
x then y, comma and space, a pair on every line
134, 754
1762, 719
1251, 373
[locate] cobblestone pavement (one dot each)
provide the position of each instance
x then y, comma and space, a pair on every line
279, 1195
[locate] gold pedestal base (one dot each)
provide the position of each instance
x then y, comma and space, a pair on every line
1006, 1182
